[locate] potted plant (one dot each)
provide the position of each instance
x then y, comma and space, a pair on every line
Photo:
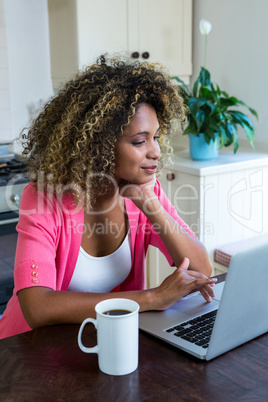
213, 117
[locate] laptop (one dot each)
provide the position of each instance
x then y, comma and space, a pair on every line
237, 314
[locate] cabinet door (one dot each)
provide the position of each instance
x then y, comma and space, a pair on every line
101, 28
82, 30
162, 30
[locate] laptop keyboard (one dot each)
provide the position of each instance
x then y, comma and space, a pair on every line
197, 330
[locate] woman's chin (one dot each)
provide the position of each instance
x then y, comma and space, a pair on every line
136, 180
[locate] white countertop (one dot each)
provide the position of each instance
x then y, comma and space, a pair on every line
226, 161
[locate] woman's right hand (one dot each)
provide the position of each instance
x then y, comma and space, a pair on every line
180, 283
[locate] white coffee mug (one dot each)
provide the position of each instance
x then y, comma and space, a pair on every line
117, 327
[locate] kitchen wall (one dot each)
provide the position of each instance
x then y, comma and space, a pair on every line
237, 54
27, 60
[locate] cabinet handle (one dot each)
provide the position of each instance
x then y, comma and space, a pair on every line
170, 176
145, 55
135, 55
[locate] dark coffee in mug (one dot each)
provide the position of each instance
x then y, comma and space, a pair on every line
117, 312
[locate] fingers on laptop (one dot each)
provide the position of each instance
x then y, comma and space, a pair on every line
207, 294
203, 284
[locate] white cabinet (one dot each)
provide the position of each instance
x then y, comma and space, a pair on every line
153, 30
101, 28
222, 201
162, 30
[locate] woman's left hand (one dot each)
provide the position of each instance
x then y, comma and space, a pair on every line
178, 242
140, 194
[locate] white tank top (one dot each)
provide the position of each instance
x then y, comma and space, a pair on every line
101, 274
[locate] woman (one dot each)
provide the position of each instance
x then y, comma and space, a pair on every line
94, 204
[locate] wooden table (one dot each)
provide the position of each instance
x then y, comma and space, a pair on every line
47, 365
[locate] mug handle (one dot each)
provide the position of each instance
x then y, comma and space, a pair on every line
94, 349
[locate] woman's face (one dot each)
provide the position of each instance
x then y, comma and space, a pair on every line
137, 150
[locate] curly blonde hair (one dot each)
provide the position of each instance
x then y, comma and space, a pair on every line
72, 141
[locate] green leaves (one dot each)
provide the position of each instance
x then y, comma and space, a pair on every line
204, 77
209, 111
245, 122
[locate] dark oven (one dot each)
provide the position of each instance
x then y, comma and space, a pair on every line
13, 179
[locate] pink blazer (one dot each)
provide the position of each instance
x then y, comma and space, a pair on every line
49, 237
